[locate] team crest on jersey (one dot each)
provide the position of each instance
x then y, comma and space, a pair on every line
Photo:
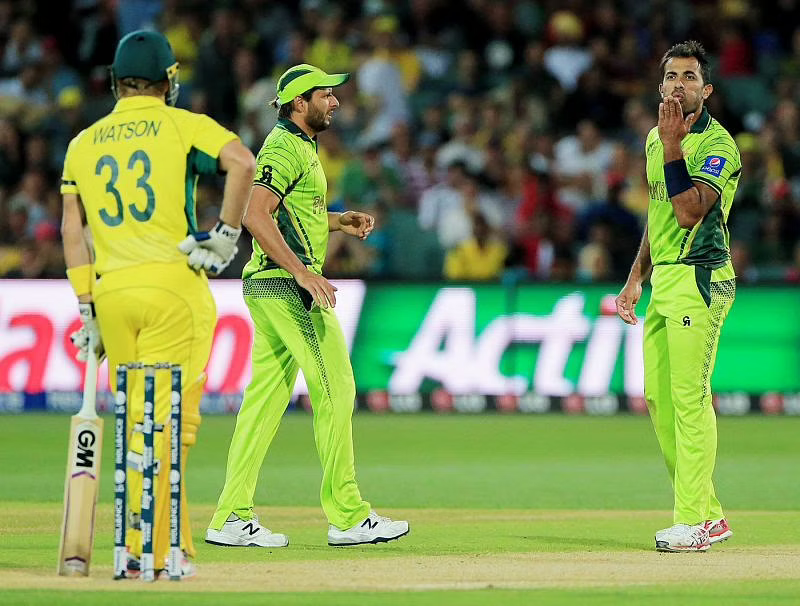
713, 165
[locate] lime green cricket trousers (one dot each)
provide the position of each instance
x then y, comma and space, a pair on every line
289, 337
681, 332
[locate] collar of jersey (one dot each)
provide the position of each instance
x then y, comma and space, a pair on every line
702, 122
137, 101
294, 129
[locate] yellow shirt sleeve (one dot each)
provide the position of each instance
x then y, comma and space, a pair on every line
68, 183
209, 137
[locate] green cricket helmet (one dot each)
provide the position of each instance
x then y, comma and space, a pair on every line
147, 55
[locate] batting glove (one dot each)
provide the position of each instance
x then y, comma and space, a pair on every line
80, 338
211, 250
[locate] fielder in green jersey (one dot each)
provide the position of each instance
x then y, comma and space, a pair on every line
693, 169
291, 304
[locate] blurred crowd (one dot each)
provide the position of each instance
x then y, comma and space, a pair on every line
491, 139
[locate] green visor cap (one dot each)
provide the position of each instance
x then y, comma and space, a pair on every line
302, 78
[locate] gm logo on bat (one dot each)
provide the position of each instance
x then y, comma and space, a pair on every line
84, 452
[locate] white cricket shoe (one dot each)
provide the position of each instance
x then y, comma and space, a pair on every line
718, 530
237, 532
374, 529
683, 537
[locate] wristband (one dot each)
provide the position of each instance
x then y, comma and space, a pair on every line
677, 178
81, 279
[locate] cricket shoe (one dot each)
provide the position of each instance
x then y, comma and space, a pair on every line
374, 529
683, 537
237, 532
718, 530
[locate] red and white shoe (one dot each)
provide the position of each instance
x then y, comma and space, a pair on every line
683, 537
718, 530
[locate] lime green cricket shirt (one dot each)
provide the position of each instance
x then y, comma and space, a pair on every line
288, 165
712, 158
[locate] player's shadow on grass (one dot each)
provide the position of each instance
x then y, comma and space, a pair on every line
593, 543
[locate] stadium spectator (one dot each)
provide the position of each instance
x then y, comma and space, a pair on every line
415, 170
480, 257
256, 116
594, 258
581, 163
214, 90
365, 180
329, 49
10, 153
566, 59
22, 48
382, 82
24, 98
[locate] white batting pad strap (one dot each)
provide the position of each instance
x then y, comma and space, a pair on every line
136, 462
139, 427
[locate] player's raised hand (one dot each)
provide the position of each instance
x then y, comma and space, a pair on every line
356, 223
322, 291
211, 250
626, 302
672, 125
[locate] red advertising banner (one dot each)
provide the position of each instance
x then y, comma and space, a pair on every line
37, 317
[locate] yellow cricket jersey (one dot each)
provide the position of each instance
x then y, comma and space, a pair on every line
136, 170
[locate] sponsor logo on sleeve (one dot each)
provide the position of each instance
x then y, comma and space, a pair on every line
713, 165
266, 174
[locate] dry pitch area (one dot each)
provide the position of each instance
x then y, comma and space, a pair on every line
307, 565
508, 571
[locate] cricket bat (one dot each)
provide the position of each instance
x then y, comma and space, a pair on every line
83, 478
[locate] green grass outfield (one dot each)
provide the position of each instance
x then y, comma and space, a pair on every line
504, 509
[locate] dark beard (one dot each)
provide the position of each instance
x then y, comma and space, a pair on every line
687, 111
315, 119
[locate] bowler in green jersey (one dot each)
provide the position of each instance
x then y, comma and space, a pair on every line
291, 304
693, 169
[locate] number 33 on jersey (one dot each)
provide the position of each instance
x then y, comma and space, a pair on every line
135, 171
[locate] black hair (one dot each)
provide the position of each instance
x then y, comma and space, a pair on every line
285, 110
689, 48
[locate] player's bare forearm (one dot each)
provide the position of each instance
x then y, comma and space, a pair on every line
631, 292
642, 263
259, 222
686, 205
333, 221
240, 166
692, 205
76, 249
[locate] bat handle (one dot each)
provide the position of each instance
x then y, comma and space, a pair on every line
89, 405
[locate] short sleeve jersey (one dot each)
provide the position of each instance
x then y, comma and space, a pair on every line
712, 158
136, 170
288, 166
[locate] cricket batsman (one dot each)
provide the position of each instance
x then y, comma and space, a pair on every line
129, 178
